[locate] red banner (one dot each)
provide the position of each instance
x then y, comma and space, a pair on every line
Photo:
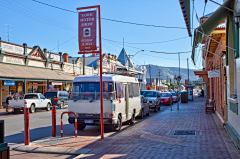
186, 82
87, 31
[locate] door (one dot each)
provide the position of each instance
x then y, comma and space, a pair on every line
124, 99
43, 101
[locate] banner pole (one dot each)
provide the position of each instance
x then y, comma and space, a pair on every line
101, 83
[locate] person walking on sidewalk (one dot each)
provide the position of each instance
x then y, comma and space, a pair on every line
9, 97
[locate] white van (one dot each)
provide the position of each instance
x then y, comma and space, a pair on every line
121, 100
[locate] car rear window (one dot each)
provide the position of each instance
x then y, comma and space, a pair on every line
174, 94
30, 96
50, 94
164, 94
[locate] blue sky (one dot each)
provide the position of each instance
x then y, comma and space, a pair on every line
37, 24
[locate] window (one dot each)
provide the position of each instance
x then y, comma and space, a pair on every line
31, 96
135, 89
119, 90
41, 96
130, 90
50, 94
164, 94
149, 93
92, 87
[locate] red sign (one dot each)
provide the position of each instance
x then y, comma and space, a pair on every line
87, 31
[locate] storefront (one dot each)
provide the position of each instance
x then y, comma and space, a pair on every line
30, 70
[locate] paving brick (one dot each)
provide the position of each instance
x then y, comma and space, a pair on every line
152, 138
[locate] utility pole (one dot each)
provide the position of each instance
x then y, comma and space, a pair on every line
150, 76
188, 71
83, 64
58, 46
179, 80
159, 74
8, 31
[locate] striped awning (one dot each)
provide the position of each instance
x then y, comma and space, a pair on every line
185, 6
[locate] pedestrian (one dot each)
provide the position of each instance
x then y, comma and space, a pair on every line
9, 97
16, 96
158, 101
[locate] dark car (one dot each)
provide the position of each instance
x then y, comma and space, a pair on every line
59, 98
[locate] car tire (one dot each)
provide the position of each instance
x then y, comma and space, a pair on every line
148, 113
118, 126
32, 108
142, 114
48, 107
81, 126
61, 105
131, 121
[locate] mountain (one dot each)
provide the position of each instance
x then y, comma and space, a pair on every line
171, 72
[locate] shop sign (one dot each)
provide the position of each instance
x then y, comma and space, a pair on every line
215, 73
9, 83
87, 30
56, 83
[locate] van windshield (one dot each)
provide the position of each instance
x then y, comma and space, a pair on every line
91, 91
149, 93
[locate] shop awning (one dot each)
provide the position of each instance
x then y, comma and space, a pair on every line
210, 24
11, 71
185, 6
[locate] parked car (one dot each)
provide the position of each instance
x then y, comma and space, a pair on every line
166, 98
59, 98
175, 97
31, 100
151, 97
145, 107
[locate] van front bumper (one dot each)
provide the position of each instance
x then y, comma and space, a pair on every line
91, 121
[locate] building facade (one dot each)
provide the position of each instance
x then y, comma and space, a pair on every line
26, 69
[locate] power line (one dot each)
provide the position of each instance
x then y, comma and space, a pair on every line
152, 42
119, 21
8, 25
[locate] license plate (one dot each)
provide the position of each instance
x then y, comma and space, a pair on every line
88, 121
17, 106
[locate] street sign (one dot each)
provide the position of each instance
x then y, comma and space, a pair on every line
9, 83
215, 73
87, 30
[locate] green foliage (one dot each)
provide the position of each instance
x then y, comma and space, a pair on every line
200, 87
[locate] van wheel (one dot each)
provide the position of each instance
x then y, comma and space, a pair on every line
142, 114
32, 108
117, 127
148, 112
81, 126
61, 105
48, 107
131, 121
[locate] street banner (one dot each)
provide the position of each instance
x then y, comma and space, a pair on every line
186, 82
215, 73
87, 26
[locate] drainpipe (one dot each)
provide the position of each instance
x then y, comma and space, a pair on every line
225, 97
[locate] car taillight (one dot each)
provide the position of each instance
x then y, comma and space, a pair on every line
55, 99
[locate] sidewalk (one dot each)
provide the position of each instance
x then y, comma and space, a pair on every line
152, 138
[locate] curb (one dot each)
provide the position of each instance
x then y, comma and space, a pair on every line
32, 149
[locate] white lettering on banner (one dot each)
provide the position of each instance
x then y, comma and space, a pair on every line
12, 48
215, 73
15, 60
56, 83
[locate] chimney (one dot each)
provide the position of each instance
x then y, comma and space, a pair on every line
93, 54
60, 54
25, 48
65, 57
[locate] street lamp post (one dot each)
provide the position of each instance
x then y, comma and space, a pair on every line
73, 66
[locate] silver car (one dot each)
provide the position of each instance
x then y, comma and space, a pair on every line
175, 97
151, 97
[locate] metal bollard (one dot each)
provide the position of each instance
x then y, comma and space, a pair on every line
26, 126
75, 122
54, 121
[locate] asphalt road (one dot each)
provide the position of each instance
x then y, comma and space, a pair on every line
41, 126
